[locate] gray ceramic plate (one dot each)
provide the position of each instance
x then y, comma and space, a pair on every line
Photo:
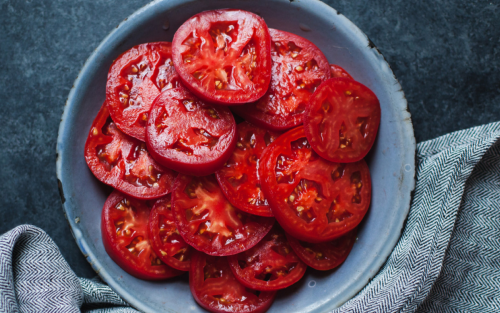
392, 160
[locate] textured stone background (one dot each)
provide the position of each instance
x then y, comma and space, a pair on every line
445, 53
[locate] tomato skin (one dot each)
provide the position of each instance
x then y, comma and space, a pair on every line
337, 71
273, 257
128, 167
324, 256
245, 193
118, 238
223, 284
135, 78
171, 125
209, 223
201, 69
282, 107
342, 120
164, 236
314, 200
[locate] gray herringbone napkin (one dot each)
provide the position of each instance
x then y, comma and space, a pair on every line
447, 260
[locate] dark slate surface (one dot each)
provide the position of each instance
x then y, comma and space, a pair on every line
445, 53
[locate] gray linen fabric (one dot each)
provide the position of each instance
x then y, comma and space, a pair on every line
447, 260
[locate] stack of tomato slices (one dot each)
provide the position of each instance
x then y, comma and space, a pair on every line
244, 208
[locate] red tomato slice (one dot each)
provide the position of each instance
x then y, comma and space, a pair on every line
337, 71
324, 256
188, 135
270, 265
135, 78
298, 68
239, 179
313, 200
209, 223
215, 288
123, 162
124, 228
342, 119
164, 237
223, 56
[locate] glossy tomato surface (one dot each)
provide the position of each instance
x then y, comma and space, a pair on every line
164, 237
135, 78
324, 256
270, 265
123, 162
223, 56
215, 288
342, 120
338, 71
124, 228
239, 178
189, 135
299, 67
209, 222
314, 200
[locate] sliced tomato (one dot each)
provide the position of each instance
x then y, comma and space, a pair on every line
324, 256
164, 237
223, 56
314, 200
270, 265
189, 135
342, 120
135, 78
299, 67
124, 228
209, 223
337, 71
239, 178
215, 288
123, 162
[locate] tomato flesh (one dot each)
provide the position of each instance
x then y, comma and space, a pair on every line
298, 69
239, 178
124, 228
324, 256
189, 135
124, 162
342, 120
135, 78
314, 200
215, 288
337, 71
223, 56
270, 265
209, 223
164, 237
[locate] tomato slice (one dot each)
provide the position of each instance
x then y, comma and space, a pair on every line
135, 78
188, 135
270, 265
314, 200
342, 120
223, 56
124, 228
239, 179
209, 223
164, 237
337, 71
215, 288
123, 162
324, 256
298, 69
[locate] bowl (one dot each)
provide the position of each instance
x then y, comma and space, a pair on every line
391, 161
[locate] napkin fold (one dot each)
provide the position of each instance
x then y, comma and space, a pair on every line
447, 259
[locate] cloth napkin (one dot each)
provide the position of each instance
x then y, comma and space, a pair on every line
447, 259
